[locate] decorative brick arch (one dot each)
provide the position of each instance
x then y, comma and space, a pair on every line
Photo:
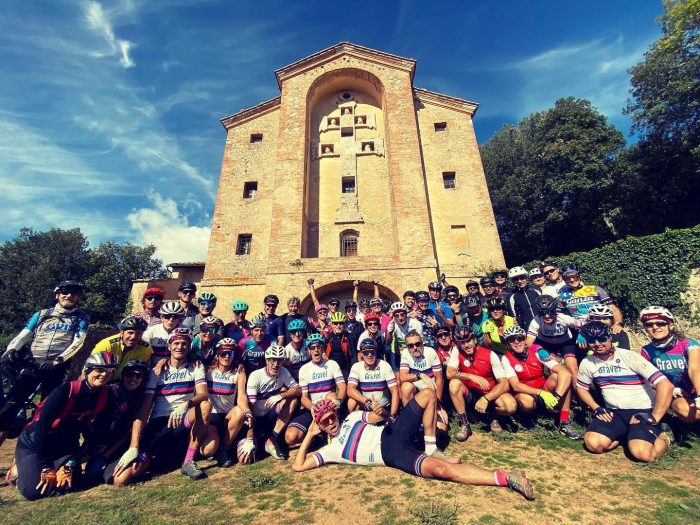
343, 291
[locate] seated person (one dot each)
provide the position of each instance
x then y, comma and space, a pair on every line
372, 384
128, 344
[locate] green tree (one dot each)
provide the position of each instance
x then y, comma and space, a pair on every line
665, 110
551, 179
112, 269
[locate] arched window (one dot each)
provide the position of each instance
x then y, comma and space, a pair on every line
348, 243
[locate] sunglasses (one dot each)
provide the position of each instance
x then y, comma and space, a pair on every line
488, 286
497, 309
328, 420
520, 278
518, 338
339, 323
400, 314
369, 352
658, 324
597, 340
153, 298
210, 331
547, 313
101, 370
442, 334
169, 316
297, 332
315, 346
550, 271
225, 354
133, 375
270, 305
207, 303
414, 345
372, 323
187, 292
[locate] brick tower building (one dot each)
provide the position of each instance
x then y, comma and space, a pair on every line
351, 173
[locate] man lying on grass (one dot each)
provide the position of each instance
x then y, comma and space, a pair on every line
358, 441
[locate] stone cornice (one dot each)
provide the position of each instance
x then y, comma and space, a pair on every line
245, 115
445, 101
340, 49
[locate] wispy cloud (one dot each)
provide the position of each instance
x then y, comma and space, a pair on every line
99, 21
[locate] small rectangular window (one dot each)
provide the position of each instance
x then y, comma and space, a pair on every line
256, 137
448, 180
346, 132
440, 126
244, 242
348, 245
250, 189
348, 184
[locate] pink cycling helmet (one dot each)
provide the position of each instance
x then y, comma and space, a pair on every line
323, 408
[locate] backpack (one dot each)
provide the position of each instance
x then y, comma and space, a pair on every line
74, 390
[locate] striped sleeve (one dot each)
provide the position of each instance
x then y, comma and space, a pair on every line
151, 384
200, 376
534, 328
389, 376
644, 368
337, 374
584, 377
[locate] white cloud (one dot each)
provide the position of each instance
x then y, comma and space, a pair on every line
163, 226
99, 21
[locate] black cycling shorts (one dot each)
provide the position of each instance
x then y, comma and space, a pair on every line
620, 429
398, 450
302, 421
566, 349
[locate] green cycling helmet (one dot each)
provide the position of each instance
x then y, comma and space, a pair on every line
239, 306
315, 339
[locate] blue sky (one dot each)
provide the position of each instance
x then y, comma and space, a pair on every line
109, 111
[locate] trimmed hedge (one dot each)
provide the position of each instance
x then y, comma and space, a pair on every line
640, 271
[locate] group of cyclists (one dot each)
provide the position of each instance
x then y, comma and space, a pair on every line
365, 382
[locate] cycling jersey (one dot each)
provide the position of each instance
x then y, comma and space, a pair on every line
521, 303
424, 318
190, 320
625, 379
223, 389
252, 353
57, 332
174, 386
199, 353
317, 380
577, 302
483, 363
141, 352
553, 289
262, 386
530, 370
444, 306
489, 327
428, 364
476, 323
400, 331
374, 382
673, 362
151, 319
296, 359
157, 337
358, 442
558, 332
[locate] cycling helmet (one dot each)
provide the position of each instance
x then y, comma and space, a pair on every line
69, 286
600, 310
398, 307
656, 312
364, 303
226, 344
375, 301
570, 269
439, 328
434, 285
593, 330
172, 308
471, 301
546, 303
495, 303
133, 322
471, 282
296, 324
368, 344
513, 331
338, 317
135, 364
535, 272
211, 321
487, 281
187, 286
462, 333
275, 351
371, 317
271, 298
516, 271
451, 289
422, 296
180, 334
258, 321
334, 301
321, 307
499, 273
239, 306
101, 360
323, 408
409, 293
315, 338
350, 304
154, 291
207, 297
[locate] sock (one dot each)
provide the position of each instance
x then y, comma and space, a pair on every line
430, 444
189, 456
501, 478
564, 416
275, 436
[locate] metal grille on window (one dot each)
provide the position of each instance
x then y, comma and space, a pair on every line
244, 243
348, 245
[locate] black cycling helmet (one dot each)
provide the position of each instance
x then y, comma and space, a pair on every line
422, 295
472, 300
271, 298
451, 289
500, 273
364, 303
595, 330
487, 281
187, 286
133, 322
69, 286
471, 282
350, 304
496, 303
334, 301
546, 303
438, 328
135, 364
462, 333
409, 293
434, 285
570, 269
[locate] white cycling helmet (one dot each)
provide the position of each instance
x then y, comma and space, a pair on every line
171, 308
516, 271
535, 271
600, 310
275, 351
513, 331
398, 307
656, 312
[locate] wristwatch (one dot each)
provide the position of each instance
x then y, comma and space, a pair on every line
418, 374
